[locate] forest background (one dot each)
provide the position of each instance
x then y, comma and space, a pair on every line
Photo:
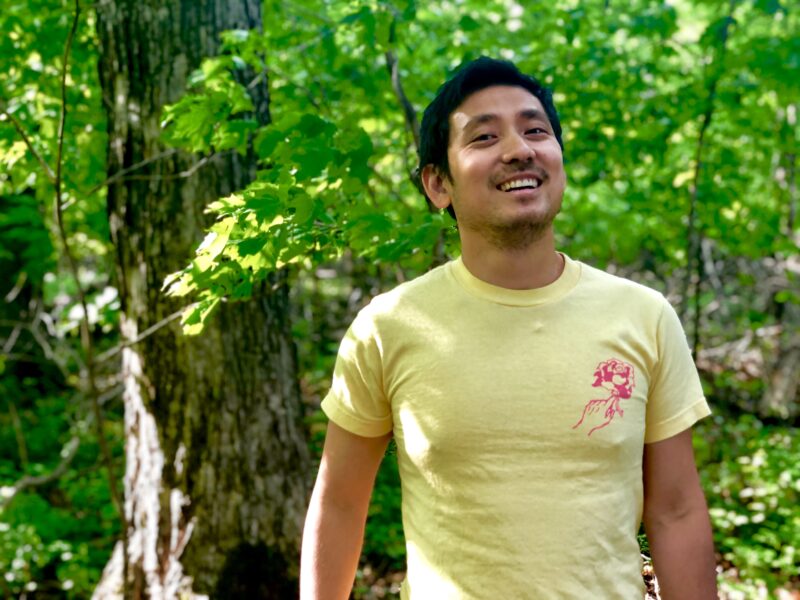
196, 198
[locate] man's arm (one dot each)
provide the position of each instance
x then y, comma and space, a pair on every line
337, 514
676, 521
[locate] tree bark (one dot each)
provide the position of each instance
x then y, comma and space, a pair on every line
216, 458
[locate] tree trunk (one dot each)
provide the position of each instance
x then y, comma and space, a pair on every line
216, 459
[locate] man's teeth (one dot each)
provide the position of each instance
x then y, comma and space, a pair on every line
519, 183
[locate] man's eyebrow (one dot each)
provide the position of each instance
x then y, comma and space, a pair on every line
533, 113
479, 120
528, 113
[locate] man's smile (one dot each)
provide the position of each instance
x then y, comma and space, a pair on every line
527, 180
517, 184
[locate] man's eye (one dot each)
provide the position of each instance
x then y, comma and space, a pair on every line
537, 131
484, 137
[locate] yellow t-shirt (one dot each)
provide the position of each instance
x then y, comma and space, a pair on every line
520, 418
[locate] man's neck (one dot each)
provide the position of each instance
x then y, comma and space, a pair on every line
534, 266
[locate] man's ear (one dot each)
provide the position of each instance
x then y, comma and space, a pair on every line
437, 187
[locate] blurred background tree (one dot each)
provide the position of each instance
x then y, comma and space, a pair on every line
300, 135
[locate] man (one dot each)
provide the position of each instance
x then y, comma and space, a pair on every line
540, 407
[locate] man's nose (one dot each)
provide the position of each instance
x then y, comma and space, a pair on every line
517, 148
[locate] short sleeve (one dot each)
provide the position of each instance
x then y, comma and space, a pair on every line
675, 399
357, 401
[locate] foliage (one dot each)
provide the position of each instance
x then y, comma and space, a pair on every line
54, 538
752, 478
384, 544
337, 156
334, 201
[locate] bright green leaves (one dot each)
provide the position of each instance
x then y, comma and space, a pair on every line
302, 146
356, 145
214, 243
195, 315
202, 121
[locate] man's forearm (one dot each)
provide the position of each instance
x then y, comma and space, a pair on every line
683, 555
332, 540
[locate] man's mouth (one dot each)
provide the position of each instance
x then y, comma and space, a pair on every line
526, 183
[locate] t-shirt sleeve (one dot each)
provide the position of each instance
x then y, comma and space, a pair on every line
675, 401
357, 401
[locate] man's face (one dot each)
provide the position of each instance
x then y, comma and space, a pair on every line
507, 173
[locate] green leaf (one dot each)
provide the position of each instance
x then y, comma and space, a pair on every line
267, 141
251, 245
468, 24
769, 6
195, 316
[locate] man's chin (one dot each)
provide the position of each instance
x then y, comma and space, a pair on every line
519, 233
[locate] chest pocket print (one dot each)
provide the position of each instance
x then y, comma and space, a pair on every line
617, 378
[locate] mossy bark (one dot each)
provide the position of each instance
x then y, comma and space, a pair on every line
216, 458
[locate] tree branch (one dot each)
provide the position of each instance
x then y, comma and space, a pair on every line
409, 113
122, 172
68, 453
147, 332
791, 160
22, 447
20, 283
18, 126
12, 339
182, 175
412, 125
48, 349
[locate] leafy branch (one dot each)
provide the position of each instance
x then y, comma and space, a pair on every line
68, 453
21, 131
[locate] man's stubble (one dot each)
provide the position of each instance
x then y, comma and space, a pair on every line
516, 235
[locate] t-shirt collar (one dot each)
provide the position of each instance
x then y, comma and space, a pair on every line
500, 295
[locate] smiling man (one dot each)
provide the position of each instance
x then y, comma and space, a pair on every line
541, 408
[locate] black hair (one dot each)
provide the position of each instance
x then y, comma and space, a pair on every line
471, 77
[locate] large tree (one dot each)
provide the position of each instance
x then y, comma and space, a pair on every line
216, 460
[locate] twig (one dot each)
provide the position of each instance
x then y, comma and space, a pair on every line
12, 339
67, 455
391, 188
111, 394
710, 268
791, 177
182, 175
22, 447
409, 113
18, 126
86, 338
48, 350
147, 332
119, 174
792, 194
18, 285
308, 93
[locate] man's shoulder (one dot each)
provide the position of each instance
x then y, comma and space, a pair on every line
423, 290
615, 288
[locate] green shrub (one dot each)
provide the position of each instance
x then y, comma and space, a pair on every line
751, 475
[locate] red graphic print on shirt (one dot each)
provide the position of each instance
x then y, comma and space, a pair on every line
615, 376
